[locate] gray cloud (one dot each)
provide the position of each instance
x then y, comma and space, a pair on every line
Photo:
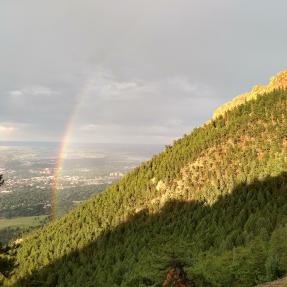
140, 109
137, 71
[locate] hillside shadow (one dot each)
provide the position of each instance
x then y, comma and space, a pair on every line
140, 251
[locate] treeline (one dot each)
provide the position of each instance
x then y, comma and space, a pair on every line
219, 167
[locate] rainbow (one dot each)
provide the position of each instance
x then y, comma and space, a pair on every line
69, 127
58, 167
63, 148
68, 130
57, 172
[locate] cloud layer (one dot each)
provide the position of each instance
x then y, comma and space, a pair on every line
130, 71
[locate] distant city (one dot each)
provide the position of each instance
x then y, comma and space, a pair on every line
29, 171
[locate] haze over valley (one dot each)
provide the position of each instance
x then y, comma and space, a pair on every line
30, 171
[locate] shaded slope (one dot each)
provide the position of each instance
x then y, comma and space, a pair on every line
247, 144
230, 243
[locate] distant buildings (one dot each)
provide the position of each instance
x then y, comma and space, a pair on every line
44, 178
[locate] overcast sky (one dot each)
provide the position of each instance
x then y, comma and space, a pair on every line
130, 71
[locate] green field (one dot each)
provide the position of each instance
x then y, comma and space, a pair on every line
22, 222
12, 228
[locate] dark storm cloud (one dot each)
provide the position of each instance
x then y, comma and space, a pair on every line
145, 70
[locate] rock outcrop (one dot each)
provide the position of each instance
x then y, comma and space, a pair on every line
277, 283
176, 277
276, 82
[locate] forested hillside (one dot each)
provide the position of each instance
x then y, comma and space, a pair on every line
214, 204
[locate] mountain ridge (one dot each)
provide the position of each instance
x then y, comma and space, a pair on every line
279, 81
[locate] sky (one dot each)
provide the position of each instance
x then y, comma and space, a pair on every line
130, 71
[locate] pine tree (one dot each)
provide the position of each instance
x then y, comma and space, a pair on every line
1, 179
